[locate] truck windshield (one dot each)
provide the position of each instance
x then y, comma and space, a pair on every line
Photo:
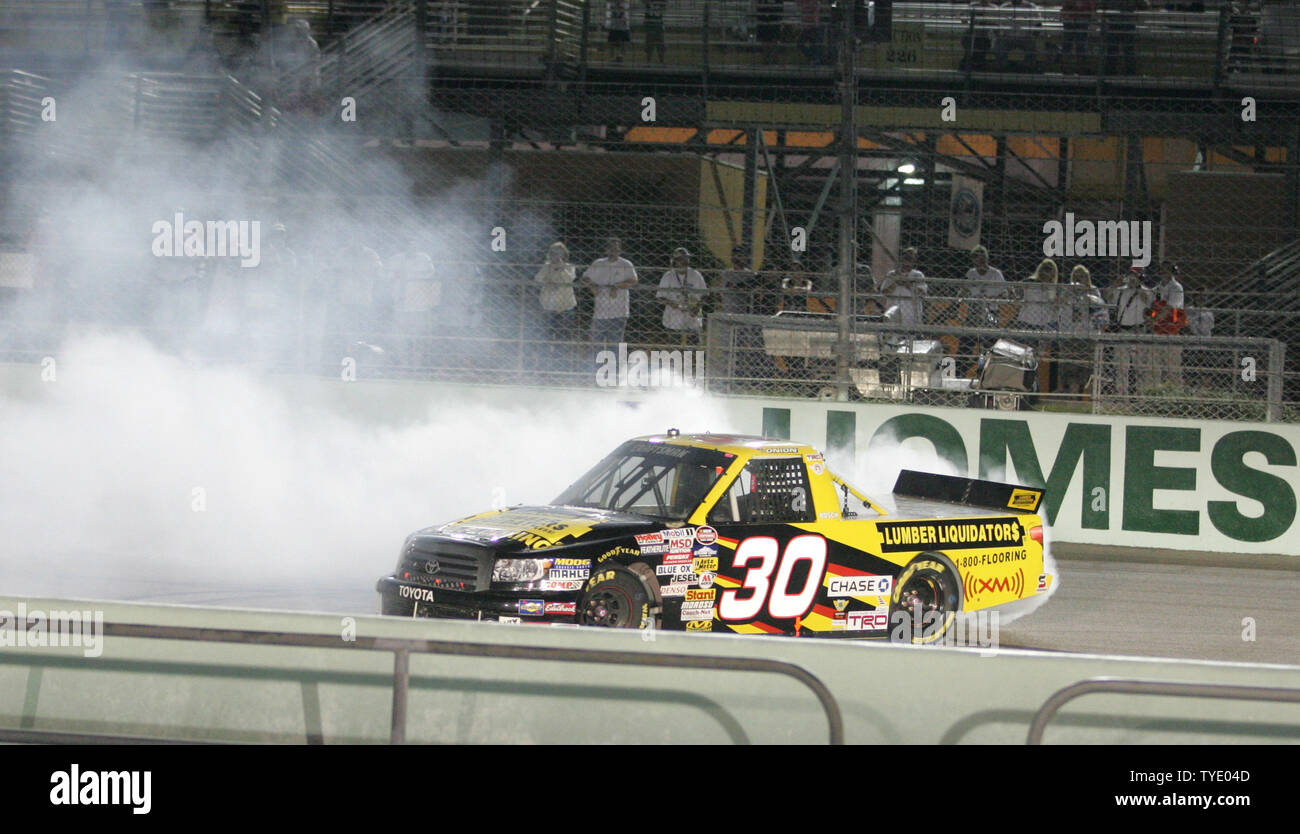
652, 479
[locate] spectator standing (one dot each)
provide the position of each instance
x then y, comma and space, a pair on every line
1076, 19
619, 25
559, 304
654, 29
682, 290
1131, 302
610, 278
1085, 317
1169, 319
982, 301
904, 288
1040, 309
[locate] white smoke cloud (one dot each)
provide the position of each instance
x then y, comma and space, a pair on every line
101, 473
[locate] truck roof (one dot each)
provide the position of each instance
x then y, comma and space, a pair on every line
740, 445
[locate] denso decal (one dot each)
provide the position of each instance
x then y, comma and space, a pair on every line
859, 586
531, 607
904, 536
877, 620
706, 535
674, 589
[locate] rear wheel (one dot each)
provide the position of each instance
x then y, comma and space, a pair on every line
927, 597
615, 598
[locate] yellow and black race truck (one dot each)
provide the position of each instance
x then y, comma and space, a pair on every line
731, 534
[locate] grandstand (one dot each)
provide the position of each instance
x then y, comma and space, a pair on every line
820, 143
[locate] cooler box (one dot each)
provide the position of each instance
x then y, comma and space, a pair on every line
1008, 366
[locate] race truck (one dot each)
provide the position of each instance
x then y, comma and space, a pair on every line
731, 534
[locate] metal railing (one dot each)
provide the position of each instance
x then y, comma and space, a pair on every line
402, 649
1238, 43
1119, 686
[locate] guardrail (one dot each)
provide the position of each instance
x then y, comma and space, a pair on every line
1066, 694
1223, 42
403, 648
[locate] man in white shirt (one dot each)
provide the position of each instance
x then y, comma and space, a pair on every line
609, 279
1131, 303
682, 290
904, 287
981, 301
1169, 321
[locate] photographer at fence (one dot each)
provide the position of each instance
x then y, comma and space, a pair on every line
1087, 315
904, 287
1168, 317
1131, 301
682, 289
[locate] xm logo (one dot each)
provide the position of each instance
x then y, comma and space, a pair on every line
1013, 584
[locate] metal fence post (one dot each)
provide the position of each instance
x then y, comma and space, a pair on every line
401, 689
1276, 356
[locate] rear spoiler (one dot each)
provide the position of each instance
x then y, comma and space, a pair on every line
968, 491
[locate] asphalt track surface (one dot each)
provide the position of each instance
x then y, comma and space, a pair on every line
1102, 606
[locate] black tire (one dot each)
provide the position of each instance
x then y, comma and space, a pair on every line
929, 583
615, 597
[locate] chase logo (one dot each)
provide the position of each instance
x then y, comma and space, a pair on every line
531, 607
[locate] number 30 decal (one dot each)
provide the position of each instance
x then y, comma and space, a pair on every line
781, 601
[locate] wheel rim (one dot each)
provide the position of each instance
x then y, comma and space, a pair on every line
924, 591
607, 607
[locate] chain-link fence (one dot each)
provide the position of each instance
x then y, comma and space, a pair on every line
480, 133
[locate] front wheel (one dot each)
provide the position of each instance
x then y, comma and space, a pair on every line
615, 598
927, 597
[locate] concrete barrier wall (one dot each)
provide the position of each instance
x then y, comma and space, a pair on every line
888, 694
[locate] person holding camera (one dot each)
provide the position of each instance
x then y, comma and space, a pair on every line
682, 290
1131, 302
1169, 317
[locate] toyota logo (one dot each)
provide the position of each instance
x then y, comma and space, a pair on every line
432, 566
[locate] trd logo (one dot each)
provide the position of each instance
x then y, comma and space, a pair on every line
1014, 583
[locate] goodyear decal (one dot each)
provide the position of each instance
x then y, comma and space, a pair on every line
902, 536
